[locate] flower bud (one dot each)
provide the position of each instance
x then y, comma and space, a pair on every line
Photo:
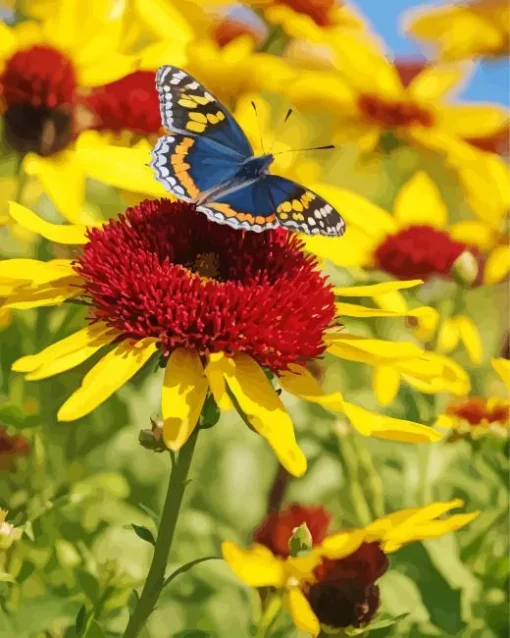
301, 540
465, 268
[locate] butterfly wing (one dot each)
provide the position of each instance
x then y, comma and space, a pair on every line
275, 201
188, 166
188, 108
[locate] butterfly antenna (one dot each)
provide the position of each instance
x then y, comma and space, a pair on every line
258, 125
287, 115
311, 148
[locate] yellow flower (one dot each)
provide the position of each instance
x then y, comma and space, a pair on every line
460, 31
476, 417
368, 99
502, 367
45, 65
313, 586
191, 320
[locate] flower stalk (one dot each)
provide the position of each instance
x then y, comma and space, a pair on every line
168, 522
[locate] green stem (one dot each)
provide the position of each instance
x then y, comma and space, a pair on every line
155, 577
370, 476
268, 616
350, 463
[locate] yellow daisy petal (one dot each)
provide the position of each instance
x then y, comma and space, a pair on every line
265, 411
502, 367
370, 351
182, 398
374, 290
256, 566
300, 611
300, 382
342, 544
453, 378
435, 82
474, 233
358, 251
471, 338
472, 120
449, 335
63, 181
353, 310
51, 293
67, 353
58, 233
35, 271
107, 376
386, 383
497, 265
392, 301
164, 20
419, 202
215, 373
106, 70
385, 427
118, 166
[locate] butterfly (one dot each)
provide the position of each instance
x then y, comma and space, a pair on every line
208, 160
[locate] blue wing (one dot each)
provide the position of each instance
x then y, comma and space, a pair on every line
275, 201
188, 166
188, 108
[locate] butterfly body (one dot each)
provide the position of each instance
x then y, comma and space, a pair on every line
207, 160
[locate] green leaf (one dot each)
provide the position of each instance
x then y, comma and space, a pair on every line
144, 533
150, 513
94, 630
11, 414
81, 619
134, 598
5, 577
186, 567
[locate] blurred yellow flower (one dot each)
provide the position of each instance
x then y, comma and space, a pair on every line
43, 68
235, 379
502, 367
368, 99
302, 579
472, 29
477, 417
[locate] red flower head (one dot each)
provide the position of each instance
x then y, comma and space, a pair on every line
163, 270
393, 113
345, 593
319, 10
38, 88
230, 29
11, 447
276, 529
418, 252
130, 103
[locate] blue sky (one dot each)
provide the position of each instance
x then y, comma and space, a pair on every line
491, 80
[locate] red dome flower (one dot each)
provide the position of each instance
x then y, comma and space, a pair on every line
38, 87
345, 594
319, 10
163, 270
393, 113
130, 103
418, 252
11, 447
276, 529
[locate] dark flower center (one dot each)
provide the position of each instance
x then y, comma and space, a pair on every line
130, 103
38, 89
476, 411
393, 114
277, 528
319, 10
418, 252
163, 270
345, 594
229, 29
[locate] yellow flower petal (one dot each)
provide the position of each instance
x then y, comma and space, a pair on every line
215, 373
58, 233
471, 338
118, 166
356, 250
435, 82
342, 544
427, 325
472, 120
353, 310
51, 293
386, 383
453, 378
108, 69
419, 202
63, 180
374, 290
502, 367
497, 265
256, 566
392, 301
385, 427
33, 270
449, 335
300, 611
182, 398
107, 376
370, 351
473, 232
264, 410
164, 20
67, 353
300, 382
